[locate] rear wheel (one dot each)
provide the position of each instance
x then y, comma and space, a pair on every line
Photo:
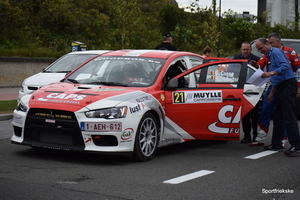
146, 139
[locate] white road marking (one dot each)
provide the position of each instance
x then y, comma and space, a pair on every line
67, 182
262, 154
188, 177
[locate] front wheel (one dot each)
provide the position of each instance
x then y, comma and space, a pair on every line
146, 139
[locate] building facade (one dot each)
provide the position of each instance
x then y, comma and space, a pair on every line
279, 11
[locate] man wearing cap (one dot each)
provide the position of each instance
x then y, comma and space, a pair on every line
167, 43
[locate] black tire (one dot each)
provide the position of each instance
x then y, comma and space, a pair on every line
146, 139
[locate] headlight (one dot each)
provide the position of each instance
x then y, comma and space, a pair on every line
21, 107
22, 87
108, 113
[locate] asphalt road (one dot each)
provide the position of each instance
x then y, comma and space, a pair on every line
215, 171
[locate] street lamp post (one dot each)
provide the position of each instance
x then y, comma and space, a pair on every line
219, 29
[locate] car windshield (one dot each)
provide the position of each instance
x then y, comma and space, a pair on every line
118, 71
68, 63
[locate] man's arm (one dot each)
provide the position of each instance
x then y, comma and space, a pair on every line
293, 57
261, 63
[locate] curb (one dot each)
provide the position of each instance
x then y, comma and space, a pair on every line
6, 116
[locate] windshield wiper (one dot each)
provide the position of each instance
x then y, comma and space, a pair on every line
109, 83
72, 80
56, 71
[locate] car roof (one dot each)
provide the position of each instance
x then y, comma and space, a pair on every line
163, 54
292, 43
282, 40
96, 52
290, 40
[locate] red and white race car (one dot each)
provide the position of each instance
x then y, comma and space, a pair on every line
133, 101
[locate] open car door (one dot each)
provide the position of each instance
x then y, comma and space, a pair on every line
208, 101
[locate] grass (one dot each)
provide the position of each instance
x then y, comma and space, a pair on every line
7, 106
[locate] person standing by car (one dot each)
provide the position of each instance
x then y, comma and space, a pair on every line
251, 118
167, 43
274, 40
284, 91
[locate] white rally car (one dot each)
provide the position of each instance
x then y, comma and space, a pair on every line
133, 101
57, 70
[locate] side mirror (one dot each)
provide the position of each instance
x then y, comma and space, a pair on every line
172, 84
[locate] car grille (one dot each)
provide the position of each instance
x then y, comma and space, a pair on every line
53, 129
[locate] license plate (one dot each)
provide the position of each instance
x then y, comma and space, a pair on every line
101, 127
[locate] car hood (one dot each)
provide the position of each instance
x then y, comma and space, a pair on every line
73, 97
41, 79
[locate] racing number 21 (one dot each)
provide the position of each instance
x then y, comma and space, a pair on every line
178, 97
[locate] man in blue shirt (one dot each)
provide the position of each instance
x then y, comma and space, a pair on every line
284, 90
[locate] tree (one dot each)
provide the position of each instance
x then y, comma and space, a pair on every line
296, 16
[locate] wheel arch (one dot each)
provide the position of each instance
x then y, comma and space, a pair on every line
158, 120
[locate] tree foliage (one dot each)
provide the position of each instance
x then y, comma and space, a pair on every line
32, 27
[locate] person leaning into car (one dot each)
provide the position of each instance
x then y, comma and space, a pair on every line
274, 40
251, 118
284, 91
167, 43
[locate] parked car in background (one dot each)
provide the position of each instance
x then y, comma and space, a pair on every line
134, 101
57, 70
292, 43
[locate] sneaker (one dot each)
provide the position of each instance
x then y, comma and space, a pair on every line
273, 148
256, 143
285, 139
292, 151
246, 140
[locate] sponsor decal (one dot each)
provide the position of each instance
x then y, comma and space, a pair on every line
227, 74
127, 134
88, 140
162, 96
171, 141
136, 53
108, 89
136, 109
229, 122
223, 76
63, 97
133, 59
227, 137
50, 121
214, 96
223, 67
144, 98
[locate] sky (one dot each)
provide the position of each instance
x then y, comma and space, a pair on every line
238, 6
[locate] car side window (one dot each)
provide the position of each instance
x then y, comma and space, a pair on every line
250, 72
223, 73
175, 69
